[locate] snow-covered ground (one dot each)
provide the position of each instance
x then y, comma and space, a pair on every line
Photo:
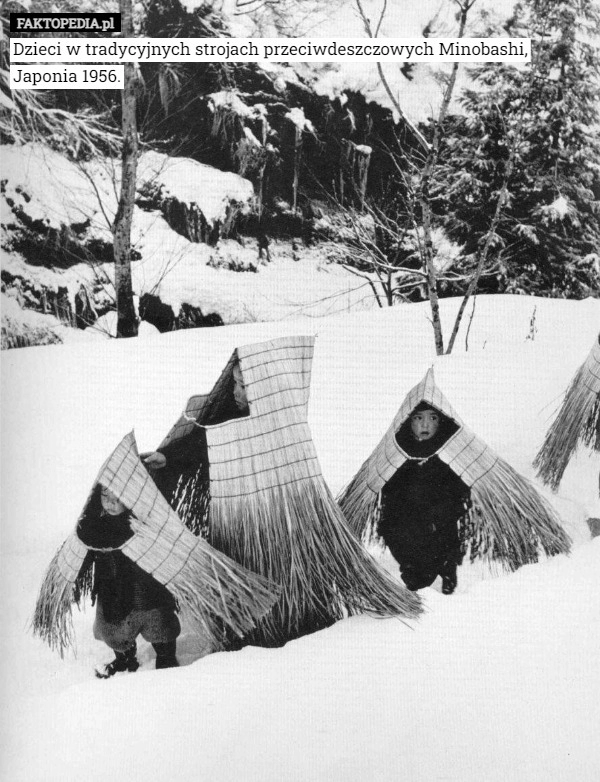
228, 279
500, 681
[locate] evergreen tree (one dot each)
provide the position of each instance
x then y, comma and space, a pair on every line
541, 123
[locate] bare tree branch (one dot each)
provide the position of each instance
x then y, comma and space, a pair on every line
368, 29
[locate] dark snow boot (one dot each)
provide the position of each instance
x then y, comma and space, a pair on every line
165, 655
415, 578
449, 578
124, 661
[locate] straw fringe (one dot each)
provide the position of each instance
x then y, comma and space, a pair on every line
52, 619
361, 506
214, 590
191, 500
511, 522
578, 421
297, 536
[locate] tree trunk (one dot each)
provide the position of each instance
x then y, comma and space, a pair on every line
363, 160
127, 324
297, 153
429, 269
484, 251
424, 198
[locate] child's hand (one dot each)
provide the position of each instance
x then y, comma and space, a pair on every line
154, 459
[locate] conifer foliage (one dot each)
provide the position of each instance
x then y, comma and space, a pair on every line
542, 120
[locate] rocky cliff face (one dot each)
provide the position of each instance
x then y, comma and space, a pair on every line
266, 161
56, 218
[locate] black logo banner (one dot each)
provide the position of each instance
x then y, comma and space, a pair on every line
64, 23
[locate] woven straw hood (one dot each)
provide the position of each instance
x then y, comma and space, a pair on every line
270, 508
509, 520
211, 588
578, 421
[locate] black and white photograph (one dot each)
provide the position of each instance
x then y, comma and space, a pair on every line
300, 391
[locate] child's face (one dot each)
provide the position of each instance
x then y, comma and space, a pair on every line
424, 424
110, 503
239, 389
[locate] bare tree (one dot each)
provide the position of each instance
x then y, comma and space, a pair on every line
127, 324
373, 33
385, 249
424, 189
418, 175
424, 173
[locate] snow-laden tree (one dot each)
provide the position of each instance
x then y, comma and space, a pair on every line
541, 122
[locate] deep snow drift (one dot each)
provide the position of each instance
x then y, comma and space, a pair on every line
499, 681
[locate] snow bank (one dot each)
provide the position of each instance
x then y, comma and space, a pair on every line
190, 183
43, 186
204, 277
297, 118
501, 684
231, 101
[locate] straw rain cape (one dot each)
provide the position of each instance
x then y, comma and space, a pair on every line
270, 508
578, 421
213, 590
508, 521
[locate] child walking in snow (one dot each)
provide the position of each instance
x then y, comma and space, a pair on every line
129, 601
131, 552
432, 489
422, 504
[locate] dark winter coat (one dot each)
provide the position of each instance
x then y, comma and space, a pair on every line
187, 458
421, 506
120, 586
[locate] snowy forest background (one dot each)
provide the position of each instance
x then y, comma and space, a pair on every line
366, 200
373, 186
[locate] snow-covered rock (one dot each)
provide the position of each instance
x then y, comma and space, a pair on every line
419, 95
198, 201
45, 189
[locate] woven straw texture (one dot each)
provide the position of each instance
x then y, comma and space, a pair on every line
578, 421
509, 520
211, 588
270, 508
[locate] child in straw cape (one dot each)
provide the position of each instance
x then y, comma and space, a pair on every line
131, 552
578, 421
258, 493
129, 601
432, 489
423, 503
185, 459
